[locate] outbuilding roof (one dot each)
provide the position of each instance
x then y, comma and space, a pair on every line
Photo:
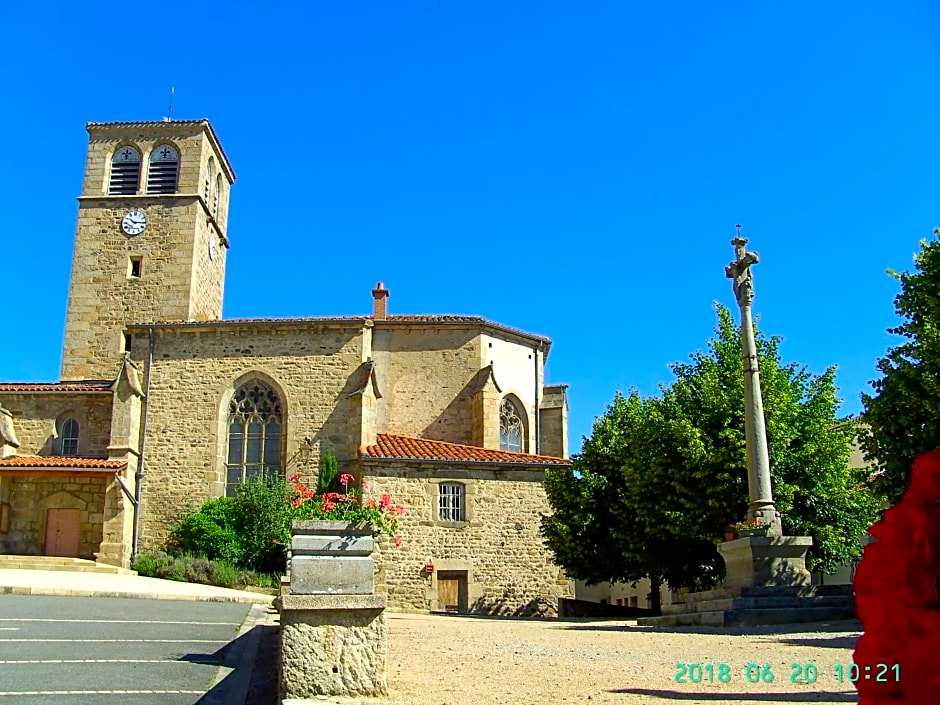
395, 447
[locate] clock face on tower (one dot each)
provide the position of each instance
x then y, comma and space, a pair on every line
134, 222
212, 247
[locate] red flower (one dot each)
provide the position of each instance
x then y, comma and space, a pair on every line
896, 595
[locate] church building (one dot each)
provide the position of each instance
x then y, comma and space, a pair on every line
163, 404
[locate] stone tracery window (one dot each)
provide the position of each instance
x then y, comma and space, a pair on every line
254, 434
511, 427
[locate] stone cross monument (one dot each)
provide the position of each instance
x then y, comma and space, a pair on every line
761, 505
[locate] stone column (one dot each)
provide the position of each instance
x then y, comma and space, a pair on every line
758, 560
761, 506
334, 640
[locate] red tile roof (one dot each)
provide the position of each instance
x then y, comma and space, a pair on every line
90, 385
52, 461
390, 446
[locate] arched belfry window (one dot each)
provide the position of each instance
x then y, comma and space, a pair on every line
208, 179
215, 196
68, 437
511, 427
125, 172
164, 169
254, 434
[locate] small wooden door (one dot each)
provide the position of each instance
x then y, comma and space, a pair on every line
62, 532
452, 590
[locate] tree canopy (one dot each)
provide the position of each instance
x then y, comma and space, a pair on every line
661, 477
902, 417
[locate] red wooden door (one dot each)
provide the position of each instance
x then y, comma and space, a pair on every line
62, 532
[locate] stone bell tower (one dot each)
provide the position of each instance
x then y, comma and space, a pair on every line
150, 244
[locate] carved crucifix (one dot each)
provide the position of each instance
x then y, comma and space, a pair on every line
739, 271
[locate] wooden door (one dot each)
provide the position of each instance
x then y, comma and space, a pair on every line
62, 532
452, 590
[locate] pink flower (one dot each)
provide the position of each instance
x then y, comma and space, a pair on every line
385, 501
365, 485
294, 478
345, 479
398, 540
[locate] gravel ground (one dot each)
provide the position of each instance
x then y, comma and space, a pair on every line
442, 660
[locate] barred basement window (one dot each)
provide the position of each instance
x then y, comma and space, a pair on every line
68, 437
164, 169
254, 434
511, 427
125, 172
451, 501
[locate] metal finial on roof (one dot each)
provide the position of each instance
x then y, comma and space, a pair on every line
169, 110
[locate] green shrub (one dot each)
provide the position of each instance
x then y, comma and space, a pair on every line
328, 479
262, 523
210, 532
224, 574
145, 564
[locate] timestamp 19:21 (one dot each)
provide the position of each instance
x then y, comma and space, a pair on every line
799, 673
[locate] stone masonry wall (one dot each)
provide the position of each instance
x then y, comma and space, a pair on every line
509, 570
32, 496
103, 297
195, 373
178, 281
35, 416
424, 384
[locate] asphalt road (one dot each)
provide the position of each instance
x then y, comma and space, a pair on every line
91, 650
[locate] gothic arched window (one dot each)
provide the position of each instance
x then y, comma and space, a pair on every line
68, 437
511, 427
125, 172
164, 168
254, 434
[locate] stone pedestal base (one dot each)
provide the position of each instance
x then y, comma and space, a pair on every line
766, 560
333, 645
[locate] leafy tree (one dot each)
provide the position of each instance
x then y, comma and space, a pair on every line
903, 415
660, 478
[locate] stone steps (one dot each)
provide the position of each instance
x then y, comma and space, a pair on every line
751, 606
751, 603
79, 565
750, 617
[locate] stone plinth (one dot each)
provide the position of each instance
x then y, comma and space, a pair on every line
333, 645
766, 560
334, 640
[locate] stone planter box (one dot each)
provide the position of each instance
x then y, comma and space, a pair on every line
331, 558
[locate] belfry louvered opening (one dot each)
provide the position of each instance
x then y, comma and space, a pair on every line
125, 172
164, 170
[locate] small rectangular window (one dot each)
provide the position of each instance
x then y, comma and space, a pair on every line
128, 341
135, 267
451, 501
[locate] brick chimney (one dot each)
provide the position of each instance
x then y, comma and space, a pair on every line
380, 305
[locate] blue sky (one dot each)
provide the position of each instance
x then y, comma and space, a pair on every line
571, 169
